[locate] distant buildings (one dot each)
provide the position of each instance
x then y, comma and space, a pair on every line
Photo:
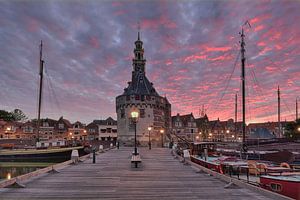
185, 126
141, 96
59, 131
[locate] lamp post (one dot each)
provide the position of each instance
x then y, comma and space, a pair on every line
227, 131
162, 137
134, 116
149, 129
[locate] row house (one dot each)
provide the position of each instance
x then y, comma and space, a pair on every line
107, 129
78, 132
272, 127
14, 130
185, 126
216, 130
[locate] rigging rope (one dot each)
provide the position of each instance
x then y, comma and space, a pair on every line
228, 81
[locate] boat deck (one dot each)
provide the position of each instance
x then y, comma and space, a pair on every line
112, 177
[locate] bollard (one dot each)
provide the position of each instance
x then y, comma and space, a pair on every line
101, 148
75, 156
94, 155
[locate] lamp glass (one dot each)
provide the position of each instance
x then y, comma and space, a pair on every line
134, 114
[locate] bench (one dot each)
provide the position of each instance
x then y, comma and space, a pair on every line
136, 159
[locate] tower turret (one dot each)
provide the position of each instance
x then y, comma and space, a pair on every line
138, 62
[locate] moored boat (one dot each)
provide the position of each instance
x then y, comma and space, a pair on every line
40, 155
287, 184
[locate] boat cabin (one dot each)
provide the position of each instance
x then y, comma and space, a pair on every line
199, 147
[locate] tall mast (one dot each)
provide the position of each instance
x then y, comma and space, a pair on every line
279, 124
40, 90
296, 109
243, 59
235, 124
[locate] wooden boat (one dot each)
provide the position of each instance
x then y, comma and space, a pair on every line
40, 155
287, 184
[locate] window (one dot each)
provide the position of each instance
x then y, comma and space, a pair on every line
122, 113
57, 143
192, 130
127, 98
108, 130
275, 187
103, 130
76, 132
142, 97
142, 113
61, 126
137, 97
76, 126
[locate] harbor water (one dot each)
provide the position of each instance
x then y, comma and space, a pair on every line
9, 170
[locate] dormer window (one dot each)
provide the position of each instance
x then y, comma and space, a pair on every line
61, 126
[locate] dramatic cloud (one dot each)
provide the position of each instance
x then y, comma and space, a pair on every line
191, 47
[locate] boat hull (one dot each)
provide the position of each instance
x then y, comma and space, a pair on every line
209, 165
284, 187
59, 155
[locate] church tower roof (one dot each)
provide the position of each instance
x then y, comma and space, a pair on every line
139, 83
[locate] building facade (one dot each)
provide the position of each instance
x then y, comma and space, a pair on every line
107, 129
185, 127
140, 95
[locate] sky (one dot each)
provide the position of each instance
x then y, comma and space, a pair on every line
192, 51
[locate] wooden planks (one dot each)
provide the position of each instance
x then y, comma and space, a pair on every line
160, 176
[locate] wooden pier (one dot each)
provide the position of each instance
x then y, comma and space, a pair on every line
160, 176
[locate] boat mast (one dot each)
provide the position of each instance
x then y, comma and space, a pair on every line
279, 124
243, 59
296, 109
235, 124
40, 90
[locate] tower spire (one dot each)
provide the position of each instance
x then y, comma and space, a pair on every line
138, 61
139, 29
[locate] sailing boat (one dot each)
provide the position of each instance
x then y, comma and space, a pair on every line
40, 153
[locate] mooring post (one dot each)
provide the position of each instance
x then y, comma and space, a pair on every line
94, 155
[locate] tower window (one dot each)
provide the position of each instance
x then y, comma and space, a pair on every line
122, 113
137, 97
142, 113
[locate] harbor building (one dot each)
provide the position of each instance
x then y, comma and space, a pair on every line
140, 95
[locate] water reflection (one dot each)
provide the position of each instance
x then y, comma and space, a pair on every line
9, 170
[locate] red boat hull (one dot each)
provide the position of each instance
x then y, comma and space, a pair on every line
284, 187
208, 165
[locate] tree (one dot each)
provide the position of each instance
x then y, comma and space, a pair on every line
6, 116
19, 115
293, 130
16, 115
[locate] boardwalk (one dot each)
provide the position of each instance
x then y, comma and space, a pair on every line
160, 177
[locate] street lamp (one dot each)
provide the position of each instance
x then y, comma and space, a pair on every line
134, 117
298, 129
162, 137
149, 129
